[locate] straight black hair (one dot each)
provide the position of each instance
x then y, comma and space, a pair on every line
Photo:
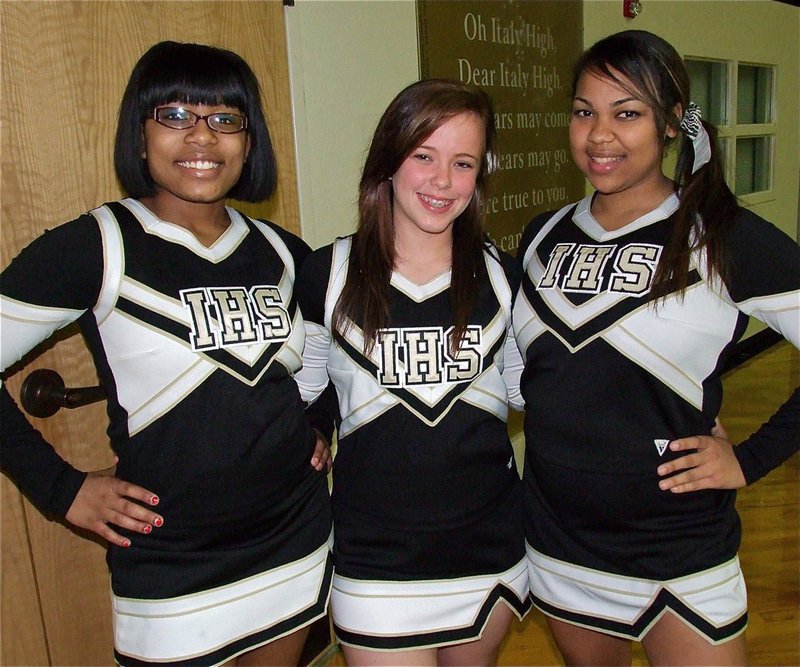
192, 74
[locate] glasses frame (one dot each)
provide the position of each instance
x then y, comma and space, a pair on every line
197, 118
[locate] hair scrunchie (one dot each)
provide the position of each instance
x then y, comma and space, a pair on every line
692, 127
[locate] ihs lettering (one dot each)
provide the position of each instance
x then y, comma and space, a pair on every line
582, 268
227, 316
421, 355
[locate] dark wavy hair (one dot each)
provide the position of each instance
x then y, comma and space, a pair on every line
192, 74
707, 205
414, 114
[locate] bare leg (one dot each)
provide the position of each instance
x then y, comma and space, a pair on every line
581, 646
672, 642
359, 657
482, 652
283, 652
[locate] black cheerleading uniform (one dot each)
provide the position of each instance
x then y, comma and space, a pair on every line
427, 511
612, 375
195, 347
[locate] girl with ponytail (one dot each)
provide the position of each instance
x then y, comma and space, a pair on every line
631, 302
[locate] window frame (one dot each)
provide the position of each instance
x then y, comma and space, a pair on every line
731, 131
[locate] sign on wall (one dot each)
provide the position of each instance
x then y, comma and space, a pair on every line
521, 52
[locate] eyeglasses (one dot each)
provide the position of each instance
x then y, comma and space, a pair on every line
178, 118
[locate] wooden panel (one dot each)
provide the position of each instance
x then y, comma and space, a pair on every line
68, 62
22, 629
64, 68
769, 509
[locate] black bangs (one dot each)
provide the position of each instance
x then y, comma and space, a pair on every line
195, 82
174, 72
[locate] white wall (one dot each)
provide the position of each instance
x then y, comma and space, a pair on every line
347, 60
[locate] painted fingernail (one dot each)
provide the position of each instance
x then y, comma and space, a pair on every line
126, 543
158, 522
147, 529
154, 500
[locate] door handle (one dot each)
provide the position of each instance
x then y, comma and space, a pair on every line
43, 394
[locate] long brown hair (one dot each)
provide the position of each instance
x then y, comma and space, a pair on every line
707, 205
414, 114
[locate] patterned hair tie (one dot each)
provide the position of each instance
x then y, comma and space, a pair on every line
690, 123
692, 126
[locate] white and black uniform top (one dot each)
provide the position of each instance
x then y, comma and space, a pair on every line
195, 347
425, 488
612, 375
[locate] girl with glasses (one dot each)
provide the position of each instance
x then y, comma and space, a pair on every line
217, 515
631, 302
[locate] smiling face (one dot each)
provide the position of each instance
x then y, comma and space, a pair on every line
435, 183
614, 140
192, 166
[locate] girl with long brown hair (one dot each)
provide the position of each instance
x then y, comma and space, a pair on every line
410, 317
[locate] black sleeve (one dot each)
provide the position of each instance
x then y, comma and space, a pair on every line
323, 414
46, 479
512, 267
310, 289
763, 259
773, 443
765, 264
63, 268
311, 285
58, 268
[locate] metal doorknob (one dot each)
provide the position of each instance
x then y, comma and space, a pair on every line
43, 394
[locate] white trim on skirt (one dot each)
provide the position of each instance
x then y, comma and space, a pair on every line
713, 601
403, 615
194, 625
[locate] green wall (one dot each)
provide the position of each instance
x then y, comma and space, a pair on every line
756, 32
348, 58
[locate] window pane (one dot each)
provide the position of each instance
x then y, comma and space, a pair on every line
754, 95
708, 81
753, 165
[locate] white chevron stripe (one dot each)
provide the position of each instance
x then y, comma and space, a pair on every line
23, 326
113, 262
220, 250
